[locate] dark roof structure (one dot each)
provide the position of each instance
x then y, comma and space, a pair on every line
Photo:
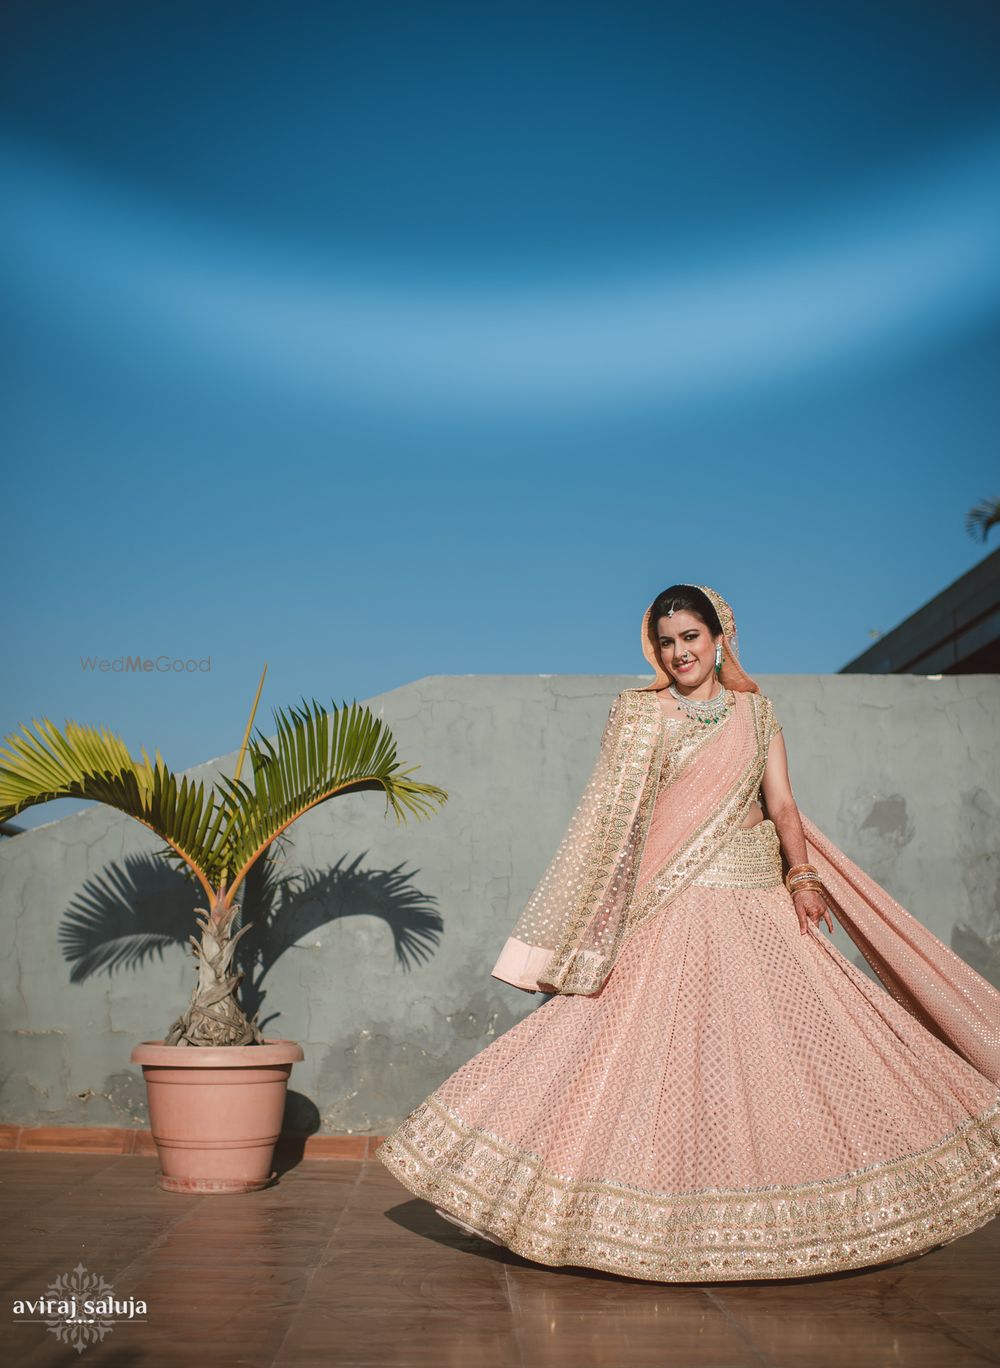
956, 632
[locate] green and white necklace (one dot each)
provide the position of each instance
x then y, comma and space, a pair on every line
707, 711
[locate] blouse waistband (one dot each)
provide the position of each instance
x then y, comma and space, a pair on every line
750, 859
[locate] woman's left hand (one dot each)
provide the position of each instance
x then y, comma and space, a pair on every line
811, 908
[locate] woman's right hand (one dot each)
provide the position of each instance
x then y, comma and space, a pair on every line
811, 908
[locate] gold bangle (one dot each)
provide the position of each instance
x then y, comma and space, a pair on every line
804, 877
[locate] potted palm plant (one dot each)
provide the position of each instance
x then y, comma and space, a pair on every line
216, 1086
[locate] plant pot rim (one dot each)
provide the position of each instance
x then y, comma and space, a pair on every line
216, 1056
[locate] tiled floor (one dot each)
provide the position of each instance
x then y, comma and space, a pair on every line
337, 1264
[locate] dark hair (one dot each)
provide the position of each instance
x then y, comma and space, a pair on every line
687, 598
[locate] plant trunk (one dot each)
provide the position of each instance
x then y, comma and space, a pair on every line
213, 1016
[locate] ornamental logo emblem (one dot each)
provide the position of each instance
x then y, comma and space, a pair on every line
79, 1308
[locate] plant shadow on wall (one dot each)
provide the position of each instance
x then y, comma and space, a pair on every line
218, 842
134, 911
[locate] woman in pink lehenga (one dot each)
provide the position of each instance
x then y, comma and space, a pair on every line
714, 1091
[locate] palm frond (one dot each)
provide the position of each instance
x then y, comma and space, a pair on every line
87, 762
980, 519
318, 755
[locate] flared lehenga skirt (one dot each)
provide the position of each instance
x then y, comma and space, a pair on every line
738, 1101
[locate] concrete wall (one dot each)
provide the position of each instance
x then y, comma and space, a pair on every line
374, 945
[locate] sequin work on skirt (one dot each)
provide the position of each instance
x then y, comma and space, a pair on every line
738, 1101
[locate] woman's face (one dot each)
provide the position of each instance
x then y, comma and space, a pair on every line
687, 649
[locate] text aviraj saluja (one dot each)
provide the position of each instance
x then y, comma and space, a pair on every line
70, 1310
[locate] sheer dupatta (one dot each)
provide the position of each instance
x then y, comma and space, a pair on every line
935, 985
601, 884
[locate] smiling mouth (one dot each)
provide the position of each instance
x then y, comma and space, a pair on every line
688, 666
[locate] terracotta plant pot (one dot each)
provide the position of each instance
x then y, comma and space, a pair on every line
216, 1113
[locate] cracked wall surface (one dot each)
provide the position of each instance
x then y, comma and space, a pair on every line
372, 942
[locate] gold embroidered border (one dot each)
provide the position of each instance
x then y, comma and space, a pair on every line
885, 1211
588, 976
637, 749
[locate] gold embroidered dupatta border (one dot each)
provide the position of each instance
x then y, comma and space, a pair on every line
587, 944
573, 928
718, 828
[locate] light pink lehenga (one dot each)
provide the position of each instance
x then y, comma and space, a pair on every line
737, 1101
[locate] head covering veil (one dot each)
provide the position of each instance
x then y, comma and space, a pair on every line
591, 897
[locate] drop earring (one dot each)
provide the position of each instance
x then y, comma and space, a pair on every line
718, 660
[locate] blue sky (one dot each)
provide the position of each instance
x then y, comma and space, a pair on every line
379, 341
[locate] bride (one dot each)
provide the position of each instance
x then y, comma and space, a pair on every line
713, 1091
